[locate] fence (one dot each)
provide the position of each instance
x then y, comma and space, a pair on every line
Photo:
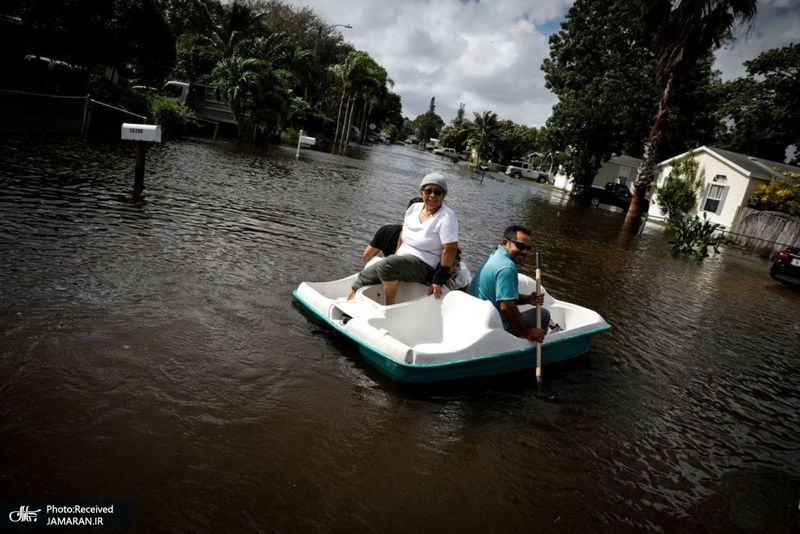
23, 111
763, 232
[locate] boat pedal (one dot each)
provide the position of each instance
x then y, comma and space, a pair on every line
345, 318
554, 327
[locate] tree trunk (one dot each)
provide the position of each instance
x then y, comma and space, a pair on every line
338, 118
647, 169
364, 123
340, 144
346, 135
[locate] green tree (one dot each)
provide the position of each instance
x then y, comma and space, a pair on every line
429, 124
86, 33
195, 58
482, 133
600, 69
238, 80
389, 113
692, 118
760, 113
678, 196
515, 141
454, 134
682, 33
780, 194
228, 23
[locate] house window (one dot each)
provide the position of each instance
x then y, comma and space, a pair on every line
714, 198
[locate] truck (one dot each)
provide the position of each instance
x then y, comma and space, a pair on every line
521, 169
201, 99
612, 194
449, 152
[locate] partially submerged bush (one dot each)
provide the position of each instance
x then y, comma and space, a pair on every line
290, 136
693, 236
678, 196
172, 115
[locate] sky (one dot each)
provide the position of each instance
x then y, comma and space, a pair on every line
487, 53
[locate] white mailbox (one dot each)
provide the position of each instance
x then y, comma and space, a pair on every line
141, 132
308, 141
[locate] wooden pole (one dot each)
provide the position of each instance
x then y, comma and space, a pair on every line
138, 183
299, 137
538, 325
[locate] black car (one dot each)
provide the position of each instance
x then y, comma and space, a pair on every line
786, 268
613, 194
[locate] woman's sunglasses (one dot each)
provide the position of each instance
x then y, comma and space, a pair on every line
432, 191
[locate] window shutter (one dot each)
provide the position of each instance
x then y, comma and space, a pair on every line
705, 197
722, 196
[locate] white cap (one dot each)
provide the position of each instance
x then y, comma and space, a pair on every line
434, 178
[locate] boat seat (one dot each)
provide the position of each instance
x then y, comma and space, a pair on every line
419, 321
470, 328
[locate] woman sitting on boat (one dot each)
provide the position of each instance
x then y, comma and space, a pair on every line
428, 246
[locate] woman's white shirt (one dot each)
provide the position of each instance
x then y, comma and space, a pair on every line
424, 239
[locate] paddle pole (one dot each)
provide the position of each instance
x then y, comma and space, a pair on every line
538, 325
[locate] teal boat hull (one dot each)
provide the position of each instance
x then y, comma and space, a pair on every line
566, 348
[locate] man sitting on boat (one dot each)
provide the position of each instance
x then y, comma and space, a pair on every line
496, 281
460, 277
428, 246
386, 238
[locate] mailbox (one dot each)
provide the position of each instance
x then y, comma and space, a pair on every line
141, 132
308, 141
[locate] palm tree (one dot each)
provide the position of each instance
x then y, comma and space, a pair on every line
237, 80
226, 24
481, 132
682, 33
353, 75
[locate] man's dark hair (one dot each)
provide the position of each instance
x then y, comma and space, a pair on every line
511, 232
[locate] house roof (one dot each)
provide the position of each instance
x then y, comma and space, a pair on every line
750, 166
628, 161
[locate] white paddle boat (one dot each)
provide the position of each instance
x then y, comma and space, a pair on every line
424, 339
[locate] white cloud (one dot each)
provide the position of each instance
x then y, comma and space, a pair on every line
776, 25
487, 53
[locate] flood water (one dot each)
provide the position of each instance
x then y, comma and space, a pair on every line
150, 352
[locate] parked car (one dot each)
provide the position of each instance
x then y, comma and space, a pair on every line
786, 268
518, 169
612, 194
449, 152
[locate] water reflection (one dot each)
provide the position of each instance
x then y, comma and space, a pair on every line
154, 344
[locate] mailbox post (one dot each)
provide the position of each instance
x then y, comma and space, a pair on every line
143, 135
305, 141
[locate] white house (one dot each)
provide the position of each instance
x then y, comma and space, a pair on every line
617, 170
729, 180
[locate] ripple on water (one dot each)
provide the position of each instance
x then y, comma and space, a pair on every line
153, 343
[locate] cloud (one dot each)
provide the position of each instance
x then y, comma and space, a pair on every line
776, 25
487, 53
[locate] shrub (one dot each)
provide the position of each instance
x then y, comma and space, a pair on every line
290, 136
678, 196
134, 101
693, 236
782, 194
172, 115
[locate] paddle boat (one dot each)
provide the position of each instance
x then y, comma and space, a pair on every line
422, 339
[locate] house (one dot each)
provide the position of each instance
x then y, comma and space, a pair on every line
729, 179
617, 170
